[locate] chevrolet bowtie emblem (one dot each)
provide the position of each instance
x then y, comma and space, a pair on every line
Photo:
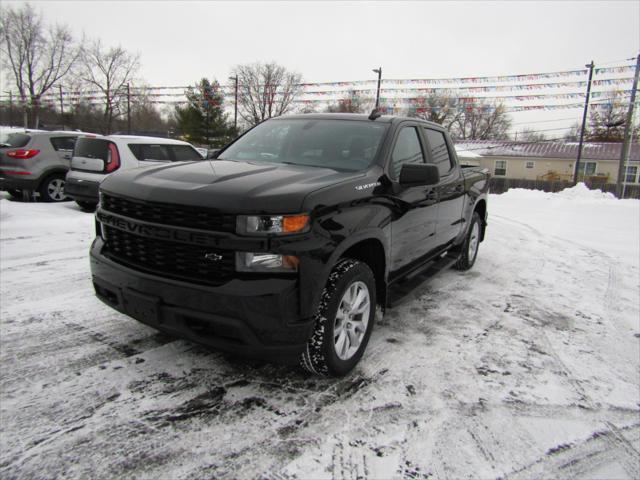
213, 257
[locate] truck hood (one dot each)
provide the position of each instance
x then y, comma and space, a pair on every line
233, 187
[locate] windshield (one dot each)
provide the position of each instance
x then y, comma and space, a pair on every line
343, 145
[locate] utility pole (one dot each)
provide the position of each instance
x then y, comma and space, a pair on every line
10, 108
379, 72
235, 113
128, 109
61, 106
628, 130
584, 121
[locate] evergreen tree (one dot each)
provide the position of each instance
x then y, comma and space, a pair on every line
203, 120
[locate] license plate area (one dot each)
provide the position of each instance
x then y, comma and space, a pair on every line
140, 306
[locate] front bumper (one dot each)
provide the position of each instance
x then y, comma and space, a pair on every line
83, 190
254, 318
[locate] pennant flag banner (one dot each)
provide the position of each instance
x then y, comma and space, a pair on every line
624, 69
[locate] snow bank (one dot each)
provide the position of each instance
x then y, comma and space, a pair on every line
590, 218
579, 192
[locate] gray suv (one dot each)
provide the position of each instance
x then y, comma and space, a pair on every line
36, 162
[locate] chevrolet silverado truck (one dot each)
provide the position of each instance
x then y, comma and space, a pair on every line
284, 246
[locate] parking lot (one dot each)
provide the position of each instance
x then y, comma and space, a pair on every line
524, 367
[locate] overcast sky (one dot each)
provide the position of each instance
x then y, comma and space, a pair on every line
179, 42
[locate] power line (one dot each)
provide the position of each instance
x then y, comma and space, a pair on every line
545, 121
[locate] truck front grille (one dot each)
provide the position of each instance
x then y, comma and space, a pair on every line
180, 261
170, 214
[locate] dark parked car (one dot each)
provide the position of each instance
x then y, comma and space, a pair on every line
285, 245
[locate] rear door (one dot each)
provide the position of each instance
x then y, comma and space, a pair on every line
413, 227
450, 189
63, 146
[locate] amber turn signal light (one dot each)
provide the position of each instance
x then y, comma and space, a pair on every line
294, 223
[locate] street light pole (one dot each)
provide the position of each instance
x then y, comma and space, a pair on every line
235, 113
584, 121
379, 72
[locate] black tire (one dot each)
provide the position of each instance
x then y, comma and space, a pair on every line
469, 248
320, 356
15, 193
87, 206
52, 189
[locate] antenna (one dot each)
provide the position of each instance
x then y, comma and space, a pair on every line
374, 114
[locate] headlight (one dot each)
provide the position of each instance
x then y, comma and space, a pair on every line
273, 224
266, 262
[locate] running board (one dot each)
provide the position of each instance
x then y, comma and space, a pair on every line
401, 290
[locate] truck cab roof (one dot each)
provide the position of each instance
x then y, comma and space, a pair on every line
357, 117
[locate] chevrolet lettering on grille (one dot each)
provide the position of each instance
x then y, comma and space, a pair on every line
158, 231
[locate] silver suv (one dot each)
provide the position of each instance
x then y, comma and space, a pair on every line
36, 162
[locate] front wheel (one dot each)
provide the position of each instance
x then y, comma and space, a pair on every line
52, 189
343, 321
469, 249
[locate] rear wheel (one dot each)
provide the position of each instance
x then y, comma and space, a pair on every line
469, 248
87, 206
15, 193
52, 189
343, 322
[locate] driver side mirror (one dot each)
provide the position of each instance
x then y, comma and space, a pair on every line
416, 174
213, 154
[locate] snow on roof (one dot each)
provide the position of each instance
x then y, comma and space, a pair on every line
466, 153
568, 150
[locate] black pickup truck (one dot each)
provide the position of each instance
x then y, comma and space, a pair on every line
285, 244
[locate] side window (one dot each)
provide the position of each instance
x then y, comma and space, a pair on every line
406, 150
184, 152
151, 152
439, 151
63, 143
500, 169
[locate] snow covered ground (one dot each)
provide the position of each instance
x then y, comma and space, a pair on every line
527, 366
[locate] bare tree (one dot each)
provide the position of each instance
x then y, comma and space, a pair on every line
265, 90
108, 71
351, 103
607, 120
530, 135
37, 56
439, 107
482, 121
573, 135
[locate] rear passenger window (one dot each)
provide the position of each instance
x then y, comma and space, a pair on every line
184, 152
150, 152
406, 150
63, 143
439, 151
